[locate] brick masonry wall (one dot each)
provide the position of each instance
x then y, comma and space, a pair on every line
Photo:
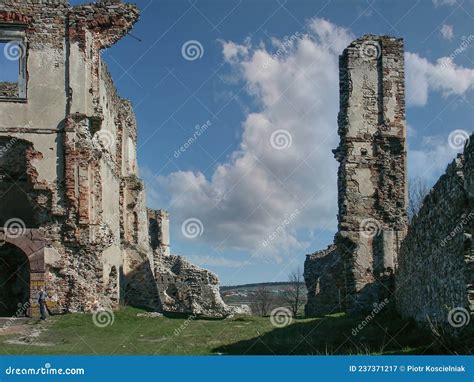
372, 192
435, 273
372, 172
78, 274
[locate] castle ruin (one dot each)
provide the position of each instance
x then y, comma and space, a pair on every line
435, 276
425, 268
73, 217
358, 270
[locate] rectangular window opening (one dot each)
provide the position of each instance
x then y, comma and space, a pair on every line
12, 63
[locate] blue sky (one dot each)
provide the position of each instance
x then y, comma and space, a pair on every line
259, 210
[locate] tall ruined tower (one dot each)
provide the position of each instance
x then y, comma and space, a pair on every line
372, 187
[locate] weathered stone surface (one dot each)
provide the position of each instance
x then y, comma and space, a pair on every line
186, 288
69, 172
325, 293
371, 180
436, 265
159, 230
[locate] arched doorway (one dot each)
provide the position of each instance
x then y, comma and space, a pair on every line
14, 281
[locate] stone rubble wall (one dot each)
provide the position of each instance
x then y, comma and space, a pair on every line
372, 172
436, 265
372, 193
179, 286
74, 150
159, 231
325, 293
187, 289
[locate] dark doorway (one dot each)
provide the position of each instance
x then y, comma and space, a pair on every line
16, 183
14, 281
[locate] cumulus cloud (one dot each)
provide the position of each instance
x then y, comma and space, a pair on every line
284, 162
447, 32
443, 76
232, 50
208, 261
431, 158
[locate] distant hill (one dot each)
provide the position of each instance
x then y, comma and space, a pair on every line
245, 294
255, 285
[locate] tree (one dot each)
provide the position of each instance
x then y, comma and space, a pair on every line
417, 191
293, 296
263, 300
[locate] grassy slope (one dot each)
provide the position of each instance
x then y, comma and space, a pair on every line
129, 334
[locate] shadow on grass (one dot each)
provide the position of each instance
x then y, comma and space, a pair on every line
186, 316
338, 334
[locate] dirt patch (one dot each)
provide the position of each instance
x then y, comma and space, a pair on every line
9, 326
24, 331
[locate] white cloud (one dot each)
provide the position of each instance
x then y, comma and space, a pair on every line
447, 32
248, 197
232, 51
210, 261
443, 76
430, 160
257, 187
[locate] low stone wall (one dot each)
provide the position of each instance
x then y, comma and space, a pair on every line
323, 272
435, 275
187, 289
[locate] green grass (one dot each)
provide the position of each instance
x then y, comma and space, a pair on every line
129, 334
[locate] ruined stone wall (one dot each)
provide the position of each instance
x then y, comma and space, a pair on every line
28, 131
372, 172
69, 172
187, 289
435, 273
68, 122
159, 231
371, 179
322, 272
